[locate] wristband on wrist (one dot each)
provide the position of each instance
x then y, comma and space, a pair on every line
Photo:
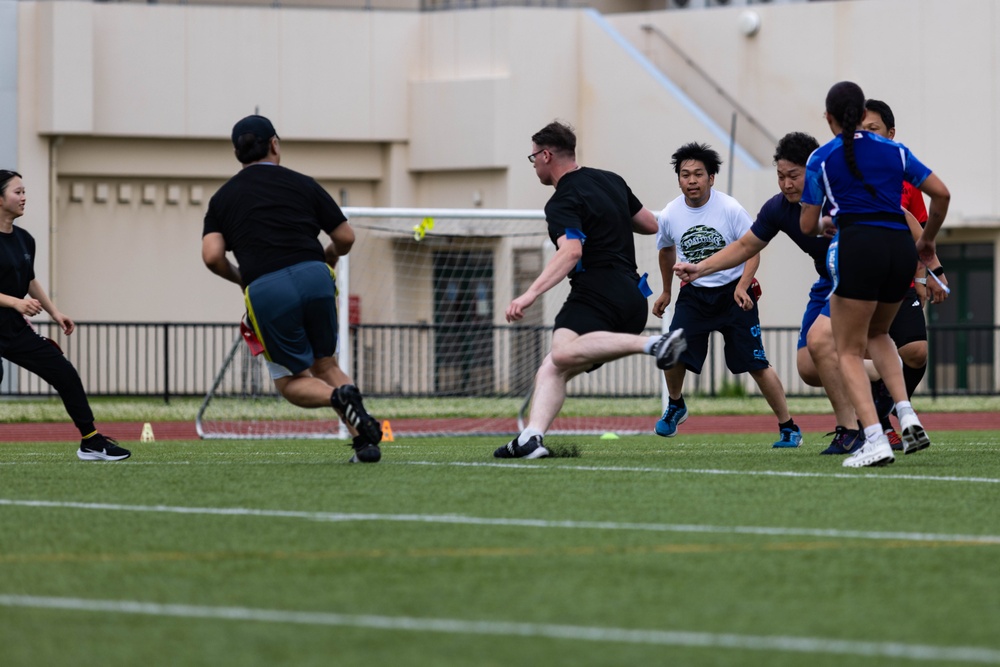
938, 271
920, 281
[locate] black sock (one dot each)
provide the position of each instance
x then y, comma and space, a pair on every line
912, 377
788, 424
679, 402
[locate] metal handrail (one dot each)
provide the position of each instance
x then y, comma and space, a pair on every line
740, 109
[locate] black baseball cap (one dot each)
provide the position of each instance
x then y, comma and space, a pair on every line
258, 126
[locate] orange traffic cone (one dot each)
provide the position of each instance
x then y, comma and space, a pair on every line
387, 432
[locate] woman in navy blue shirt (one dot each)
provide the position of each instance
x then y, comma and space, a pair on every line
872, 259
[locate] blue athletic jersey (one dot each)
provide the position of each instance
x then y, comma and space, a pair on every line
780, 215
885, 164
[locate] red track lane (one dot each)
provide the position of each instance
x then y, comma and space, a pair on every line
131, 431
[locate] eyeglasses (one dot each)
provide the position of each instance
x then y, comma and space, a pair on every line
531, 158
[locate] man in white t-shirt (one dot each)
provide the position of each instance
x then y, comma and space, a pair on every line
694, 227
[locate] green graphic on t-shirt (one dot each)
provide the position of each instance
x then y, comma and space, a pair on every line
700, 242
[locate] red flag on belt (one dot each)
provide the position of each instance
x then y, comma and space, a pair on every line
250, 337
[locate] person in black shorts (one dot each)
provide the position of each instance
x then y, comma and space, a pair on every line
909, 328
22, 296
817, 364
270, 218
872, 259
694, 227
591, 219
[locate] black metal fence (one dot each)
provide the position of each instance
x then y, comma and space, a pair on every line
172, 359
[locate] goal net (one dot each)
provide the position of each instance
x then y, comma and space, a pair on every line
423, 296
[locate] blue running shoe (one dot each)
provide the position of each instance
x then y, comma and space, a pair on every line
672, 418
845, 441
790, 437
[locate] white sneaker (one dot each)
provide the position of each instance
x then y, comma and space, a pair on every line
878, 453
912, 434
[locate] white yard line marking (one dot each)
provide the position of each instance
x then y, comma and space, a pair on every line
701, 471
537, 467
813, 645
338, 517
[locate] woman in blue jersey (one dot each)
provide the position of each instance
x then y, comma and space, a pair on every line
872, 259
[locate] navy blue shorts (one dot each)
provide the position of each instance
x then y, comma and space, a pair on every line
819, 303
702, 310
871, 263
294, 311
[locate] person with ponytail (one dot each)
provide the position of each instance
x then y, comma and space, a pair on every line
872, 258
21, 297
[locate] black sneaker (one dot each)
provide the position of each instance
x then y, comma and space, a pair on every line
364, 451
533, 449
845, 441
668, 349
346, 400
101, 448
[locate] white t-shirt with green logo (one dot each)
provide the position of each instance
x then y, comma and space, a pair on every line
701, 232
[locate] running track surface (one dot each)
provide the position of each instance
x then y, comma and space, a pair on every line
822, 423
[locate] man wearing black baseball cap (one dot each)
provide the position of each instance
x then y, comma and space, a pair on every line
258, 127
270, 218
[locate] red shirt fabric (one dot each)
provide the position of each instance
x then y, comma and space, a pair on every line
913, 201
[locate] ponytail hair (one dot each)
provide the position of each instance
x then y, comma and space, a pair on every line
846, 104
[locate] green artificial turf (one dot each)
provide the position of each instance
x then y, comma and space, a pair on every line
694, 550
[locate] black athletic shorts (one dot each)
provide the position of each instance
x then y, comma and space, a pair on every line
909, 325
702, 310
604, 300
872, 263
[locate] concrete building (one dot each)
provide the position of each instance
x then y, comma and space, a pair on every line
119, 114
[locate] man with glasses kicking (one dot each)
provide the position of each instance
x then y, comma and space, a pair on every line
591, 219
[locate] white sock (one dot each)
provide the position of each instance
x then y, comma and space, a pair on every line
527, 434
903, 406
650, 342
873, 432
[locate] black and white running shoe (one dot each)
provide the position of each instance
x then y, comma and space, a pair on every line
101, 448
533, 449
346, 400
668, 349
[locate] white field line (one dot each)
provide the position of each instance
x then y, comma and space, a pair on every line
457, 519
706, 471
813, 645
538, 467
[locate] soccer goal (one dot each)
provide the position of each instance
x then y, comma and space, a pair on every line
422, 300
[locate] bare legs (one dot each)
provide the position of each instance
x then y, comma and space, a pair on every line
571, 355
859, 326
825, 367
770, 386
312, 387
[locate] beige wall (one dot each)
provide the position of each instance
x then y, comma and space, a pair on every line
436, 109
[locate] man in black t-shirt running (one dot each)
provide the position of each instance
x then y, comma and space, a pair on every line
270, 218
591, 218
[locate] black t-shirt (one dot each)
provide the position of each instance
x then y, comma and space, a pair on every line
270, 218
17, 270
779, 215
599, 206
